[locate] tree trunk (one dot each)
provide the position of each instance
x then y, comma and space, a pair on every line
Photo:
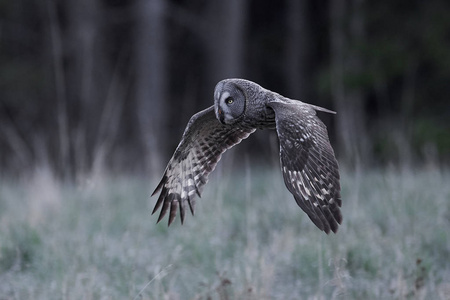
298, 51
85, 88
63, 149
151, 79
346, 62
225, 40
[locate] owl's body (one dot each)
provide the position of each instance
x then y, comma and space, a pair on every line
309, 167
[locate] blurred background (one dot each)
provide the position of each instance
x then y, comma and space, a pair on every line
110, 84
94, 98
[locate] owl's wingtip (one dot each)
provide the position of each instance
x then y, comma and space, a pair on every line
327, 230
153, 212
319, 108
160, 185
161, 215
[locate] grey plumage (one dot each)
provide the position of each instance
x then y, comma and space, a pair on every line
309, 167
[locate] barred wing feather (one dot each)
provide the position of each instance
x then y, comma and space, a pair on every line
309, 167
201, 147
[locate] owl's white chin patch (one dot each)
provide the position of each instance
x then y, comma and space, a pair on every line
228, 119
224, 119
225, 116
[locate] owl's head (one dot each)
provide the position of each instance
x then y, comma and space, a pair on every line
229, 101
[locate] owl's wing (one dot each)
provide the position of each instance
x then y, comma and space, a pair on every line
310, 169
201, 147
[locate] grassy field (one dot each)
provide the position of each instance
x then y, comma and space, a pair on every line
248, 240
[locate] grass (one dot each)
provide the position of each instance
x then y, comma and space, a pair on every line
248, 240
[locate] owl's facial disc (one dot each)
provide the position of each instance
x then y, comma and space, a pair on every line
229, 103
225, 115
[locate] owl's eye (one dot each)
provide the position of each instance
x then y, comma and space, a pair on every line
229, 100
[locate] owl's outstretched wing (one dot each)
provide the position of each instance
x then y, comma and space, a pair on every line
310, 169
201, 147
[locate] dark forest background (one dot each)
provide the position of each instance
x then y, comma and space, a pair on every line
111, 84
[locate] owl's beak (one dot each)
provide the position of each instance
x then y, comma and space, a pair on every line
220, 116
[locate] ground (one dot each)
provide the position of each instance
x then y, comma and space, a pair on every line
248, 239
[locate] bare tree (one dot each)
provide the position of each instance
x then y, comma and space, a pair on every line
298, 49
151, 79
346, 62
224, 39
221, 29
60, 88
85, 87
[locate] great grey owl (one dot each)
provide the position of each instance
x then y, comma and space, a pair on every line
309, 167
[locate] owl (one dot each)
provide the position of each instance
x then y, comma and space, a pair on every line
308, 163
